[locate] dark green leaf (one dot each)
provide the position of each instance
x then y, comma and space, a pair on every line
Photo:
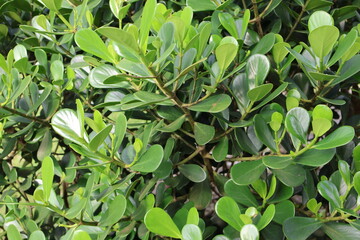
245, 173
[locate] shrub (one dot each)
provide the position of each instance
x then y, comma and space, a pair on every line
188, 120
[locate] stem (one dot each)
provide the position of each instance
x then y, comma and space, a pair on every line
257, 18
191, 156
66, 22
297, 20
14, 111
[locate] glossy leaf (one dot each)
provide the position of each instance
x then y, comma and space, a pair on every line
329, 191
193, 172
315, 157
323, 39
339, 137
249, 232
150, 160
203, 133
47, 171
213, 104
259, 92
227, 209
292, 175
191, 232
245, 173
221, 149
300, 228
277, 162
319, 19
115, 211
257, 69
263, 132
159, 222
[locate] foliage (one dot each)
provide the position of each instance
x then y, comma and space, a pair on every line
197, 119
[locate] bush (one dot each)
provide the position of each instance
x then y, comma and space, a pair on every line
188, 120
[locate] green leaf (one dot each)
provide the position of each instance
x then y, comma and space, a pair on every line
13, 233
340, 231
315, 157
249, 232
107, 76
320, 126
293, 126
175, 125
47, 171
53, 5
343, 47
45, 147
20, 88
150, 160
66, 123
323, 39
240, 194
257, 68
322, 76
201, 5
356, 182
147, 16
292, 175
244, 142
350, 68
213, 104
329, 191
280, 51
99, 138
300, 228
81, 235
228, 23
271, 96
245, 173
266, 218
191, 232
115, 211
193, 172
259, 92
227, 209
277, 162
120, 130
303, 118
322, 111
283, 211
226, 52
263, 132
37, 235
159, 222
319, 19
339, 137
265, 44
193, 216
221, 149
344, 170
90, 42
203, 133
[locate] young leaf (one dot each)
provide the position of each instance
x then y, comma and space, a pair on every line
81, 235
266, 218
257, 68
259, 92
319, 19
226, 52
47, 171
99, 138
147, 16
13, 233
323, 39
249, 232
227, 209
90, 42
191, 232
159, 222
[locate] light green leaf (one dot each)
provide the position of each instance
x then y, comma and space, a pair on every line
228, 23
175, 125
99, 138
226, 52
147, 16
191, 232
343, 47
13, 233
280, 51
201, 5
356, 182
203, 133
227, 209
81, 235
120, 130
245, 173
265, 44
53, 5
47, 171
323, 39
159, 222
90, 42
266, 218
249, 232
319, 19
37, 235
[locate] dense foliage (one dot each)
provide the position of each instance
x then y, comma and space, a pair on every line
197, 119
